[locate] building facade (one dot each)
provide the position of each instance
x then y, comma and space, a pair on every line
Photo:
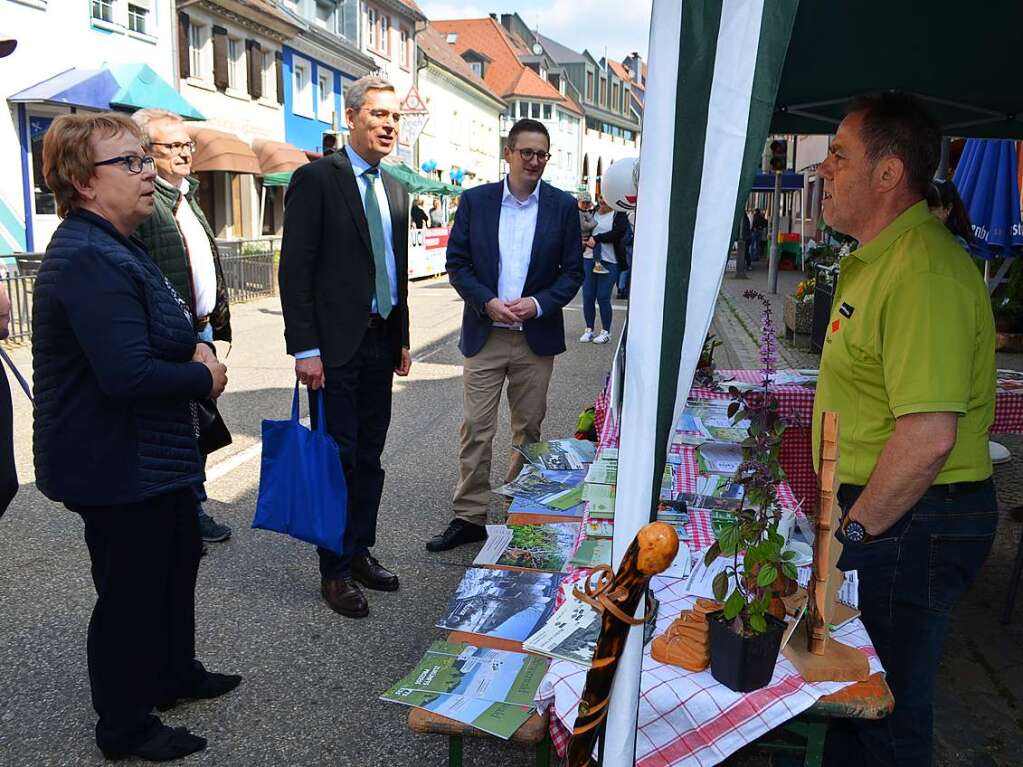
463, 132
520, 76
62, 41
389, 38
318, 66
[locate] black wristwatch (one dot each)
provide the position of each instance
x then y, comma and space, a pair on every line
853, 531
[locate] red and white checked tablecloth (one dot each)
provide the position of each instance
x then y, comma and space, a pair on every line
688, 718
796, 403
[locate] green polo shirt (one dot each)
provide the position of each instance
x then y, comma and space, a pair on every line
911, 331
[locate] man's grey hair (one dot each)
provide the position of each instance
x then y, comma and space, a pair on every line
356, 96
144, 117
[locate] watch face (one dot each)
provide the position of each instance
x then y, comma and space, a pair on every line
854, 532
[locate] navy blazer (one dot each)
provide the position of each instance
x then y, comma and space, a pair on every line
555, 265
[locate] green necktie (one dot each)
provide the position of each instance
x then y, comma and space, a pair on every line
376, 237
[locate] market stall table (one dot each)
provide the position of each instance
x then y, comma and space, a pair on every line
796, 402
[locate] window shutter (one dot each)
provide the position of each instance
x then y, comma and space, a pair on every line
279, 57
220, 58
254, 59
184, 26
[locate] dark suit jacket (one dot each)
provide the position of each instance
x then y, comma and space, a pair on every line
555, 265
327, 276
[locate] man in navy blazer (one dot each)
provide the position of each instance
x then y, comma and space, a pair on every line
515, 258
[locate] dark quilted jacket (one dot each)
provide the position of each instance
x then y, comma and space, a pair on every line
113, 377
163, 241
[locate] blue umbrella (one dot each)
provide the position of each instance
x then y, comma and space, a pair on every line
987, 181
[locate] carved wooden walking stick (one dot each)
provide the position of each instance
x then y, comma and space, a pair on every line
616, 597
819, 594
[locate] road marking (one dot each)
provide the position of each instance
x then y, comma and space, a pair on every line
225, 467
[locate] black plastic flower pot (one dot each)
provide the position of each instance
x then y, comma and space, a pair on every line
743, 663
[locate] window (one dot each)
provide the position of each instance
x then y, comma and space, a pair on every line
325, 15
103, 10
137, 17
385, 34
348, 20
523, 109
589, 86
325, 91
477, 67
235, 64
547, 111
269, 75
534, 109
452, 38
403, 53
371, 27
198, 34
615, 94
302, 92
626, 100
602, 100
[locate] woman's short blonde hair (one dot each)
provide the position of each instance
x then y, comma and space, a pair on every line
68, 155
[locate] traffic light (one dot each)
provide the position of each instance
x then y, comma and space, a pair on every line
779, 154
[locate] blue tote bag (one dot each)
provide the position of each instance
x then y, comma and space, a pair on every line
302, 490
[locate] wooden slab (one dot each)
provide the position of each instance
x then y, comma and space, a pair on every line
839, 663
423, 721
871, 699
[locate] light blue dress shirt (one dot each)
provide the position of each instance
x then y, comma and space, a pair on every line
359, 167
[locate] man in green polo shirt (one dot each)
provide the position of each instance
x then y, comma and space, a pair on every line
909, 365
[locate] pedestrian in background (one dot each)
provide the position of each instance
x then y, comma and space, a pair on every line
760, 227
512, 322
909, 366
344, 292
180, 241
8, 470
600, 270
117, 373
587, 222
947, 206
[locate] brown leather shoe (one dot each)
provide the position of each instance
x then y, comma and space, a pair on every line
371, 574
344, 597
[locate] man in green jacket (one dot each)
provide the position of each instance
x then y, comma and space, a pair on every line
180, 242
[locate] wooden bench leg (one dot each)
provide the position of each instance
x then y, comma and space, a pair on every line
543, 752
455, 751
816, 733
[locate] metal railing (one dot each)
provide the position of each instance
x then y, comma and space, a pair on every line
250, 271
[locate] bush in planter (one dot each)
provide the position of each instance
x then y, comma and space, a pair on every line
753, 610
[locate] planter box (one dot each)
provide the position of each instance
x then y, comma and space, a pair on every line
798, 315
743, 664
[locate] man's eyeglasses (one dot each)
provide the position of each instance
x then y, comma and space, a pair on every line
528, 154
176, 146
132, 162
383, 114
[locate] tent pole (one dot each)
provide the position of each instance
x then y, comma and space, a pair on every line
262, 207
772, 268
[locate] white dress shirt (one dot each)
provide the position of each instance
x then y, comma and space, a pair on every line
198, 251
515, 234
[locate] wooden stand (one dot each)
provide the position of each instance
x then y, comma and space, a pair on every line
814, 653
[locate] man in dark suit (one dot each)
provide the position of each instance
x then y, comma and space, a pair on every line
344, 291
515, 258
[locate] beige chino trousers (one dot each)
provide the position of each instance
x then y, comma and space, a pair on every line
505, 356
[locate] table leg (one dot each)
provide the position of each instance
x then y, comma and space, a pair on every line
816, 733
455, 751
543, 752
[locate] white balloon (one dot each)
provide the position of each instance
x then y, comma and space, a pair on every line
620, 184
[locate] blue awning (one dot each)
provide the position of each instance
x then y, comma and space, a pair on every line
790, 182
115, 86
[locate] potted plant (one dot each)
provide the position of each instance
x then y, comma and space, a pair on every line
799, 308
745, 635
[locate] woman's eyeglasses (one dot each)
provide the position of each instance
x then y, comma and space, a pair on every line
132, 162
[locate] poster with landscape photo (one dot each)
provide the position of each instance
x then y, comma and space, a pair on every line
508, 604
540, 547
559, 454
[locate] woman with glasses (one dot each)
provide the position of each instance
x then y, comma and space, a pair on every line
117, 372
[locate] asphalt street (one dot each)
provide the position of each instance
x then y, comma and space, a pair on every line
312, 678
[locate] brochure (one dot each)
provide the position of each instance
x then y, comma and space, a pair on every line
522, 506
490, 689
719, 458
599, 528
532, 485
603, 471
559, 454
701, 579
592, 552
508, 604
570, 634
536, 547
601, 499
682, 565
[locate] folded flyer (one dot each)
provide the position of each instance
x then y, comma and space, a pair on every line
570, 634
559, 454
508, 604
536, 547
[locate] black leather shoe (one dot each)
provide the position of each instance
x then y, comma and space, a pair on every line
371, 574
459, 533
166, 745
344, 597
211, 686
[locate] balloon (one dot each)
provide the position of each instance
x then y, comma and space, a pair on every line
620, 184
